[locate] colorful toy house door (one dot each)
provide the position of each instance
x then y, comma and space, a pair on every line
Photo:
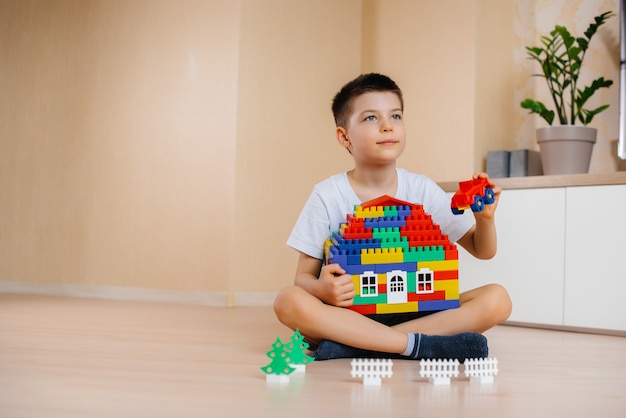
396, 287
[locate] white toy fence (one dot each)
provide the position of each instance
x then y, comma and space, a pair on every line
371, 370
481, 370
439, 371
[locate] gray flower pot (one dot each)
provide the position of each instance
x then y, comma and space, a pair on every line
566, 149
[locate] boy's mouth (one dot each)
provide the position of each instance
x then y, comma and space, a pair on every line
387, 142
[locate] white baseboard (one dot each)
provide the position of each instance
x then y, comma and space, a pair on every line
254, 298
140, 294
568, 328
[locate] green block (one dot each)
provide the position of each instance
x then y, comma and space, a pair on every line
391, 210
386, 233
359, 300
426, 253
411, 283
395, 243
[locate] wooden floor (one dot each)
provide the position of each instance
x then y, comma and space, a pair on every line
63, 357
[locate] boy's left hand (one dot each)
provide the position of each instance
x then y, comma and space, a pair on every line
489, 212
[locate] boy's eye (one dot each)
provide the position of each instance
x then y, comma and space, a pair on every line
396, 116
370, 118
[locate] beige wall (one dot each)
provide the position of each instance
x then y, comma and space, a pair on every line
117, 142
494, 104
292, 58
430, 74
171, 145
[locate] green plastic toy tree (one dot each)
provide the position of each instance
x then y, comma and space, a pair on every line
296, 346
280, 360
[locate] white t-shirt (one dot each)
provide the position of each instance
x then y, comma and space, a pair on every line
333, 199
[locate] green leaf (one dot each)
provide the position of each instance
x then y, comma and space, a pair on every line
582, 43
573, 52
600, 109
568, 39
587, 92
601, 82
561, 61
589, 114
539, 108
598, 21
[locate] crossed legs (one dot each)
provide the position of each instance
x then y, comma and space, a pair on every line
480, 309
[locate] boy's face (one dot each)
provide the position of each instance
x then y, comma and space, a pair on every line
375, 132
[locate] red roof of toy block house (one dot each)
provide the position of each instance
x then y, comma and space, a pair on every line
399, 259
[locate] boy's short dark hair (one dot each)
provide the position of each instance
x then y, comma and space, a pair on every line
365, 83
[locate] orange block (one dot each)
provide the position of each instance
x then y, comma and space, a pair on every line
363, 309
446, 275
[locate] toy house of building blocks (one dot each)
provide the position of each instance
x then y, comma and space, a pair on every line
398, 258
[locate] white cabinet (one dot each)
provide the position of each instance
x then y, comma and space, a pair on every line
529, 262
595, 263
561, 255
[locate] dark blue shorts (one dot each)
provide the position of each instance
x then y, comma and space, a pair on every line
392, 319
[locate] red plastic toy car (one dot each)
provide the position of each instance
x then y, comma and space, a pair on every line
474, 194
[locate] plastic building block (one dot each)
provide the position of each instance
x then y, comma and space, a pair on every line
386, 245
364, 309
451, 252
371, 370
474, 194
441, 265
299, 359
481, 370
439, 371
381, 256
278, 370
425, 253
397, 308
387, 268
439, 305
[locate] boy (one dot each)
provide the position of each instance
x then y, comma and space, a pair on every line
368, 113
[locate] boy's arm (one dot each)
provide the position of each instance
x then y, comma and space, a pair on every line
329, 283
481, 240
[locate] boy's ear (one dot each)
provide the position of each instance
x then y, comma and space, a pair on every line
342, 137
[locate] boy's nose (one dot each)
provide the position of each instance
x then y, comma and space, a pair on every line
386, 125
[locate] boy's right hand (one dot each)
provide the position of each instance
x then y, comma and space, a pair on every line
336, 287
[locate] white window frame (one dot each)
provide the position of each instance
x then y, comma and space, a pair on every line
429, 279
368, 275
397, 295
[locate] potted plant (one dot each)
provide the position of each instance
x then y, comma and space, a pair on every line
566, 148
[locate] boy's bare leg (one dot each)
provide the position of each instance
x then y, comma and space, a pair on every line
296, 308
481, 309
